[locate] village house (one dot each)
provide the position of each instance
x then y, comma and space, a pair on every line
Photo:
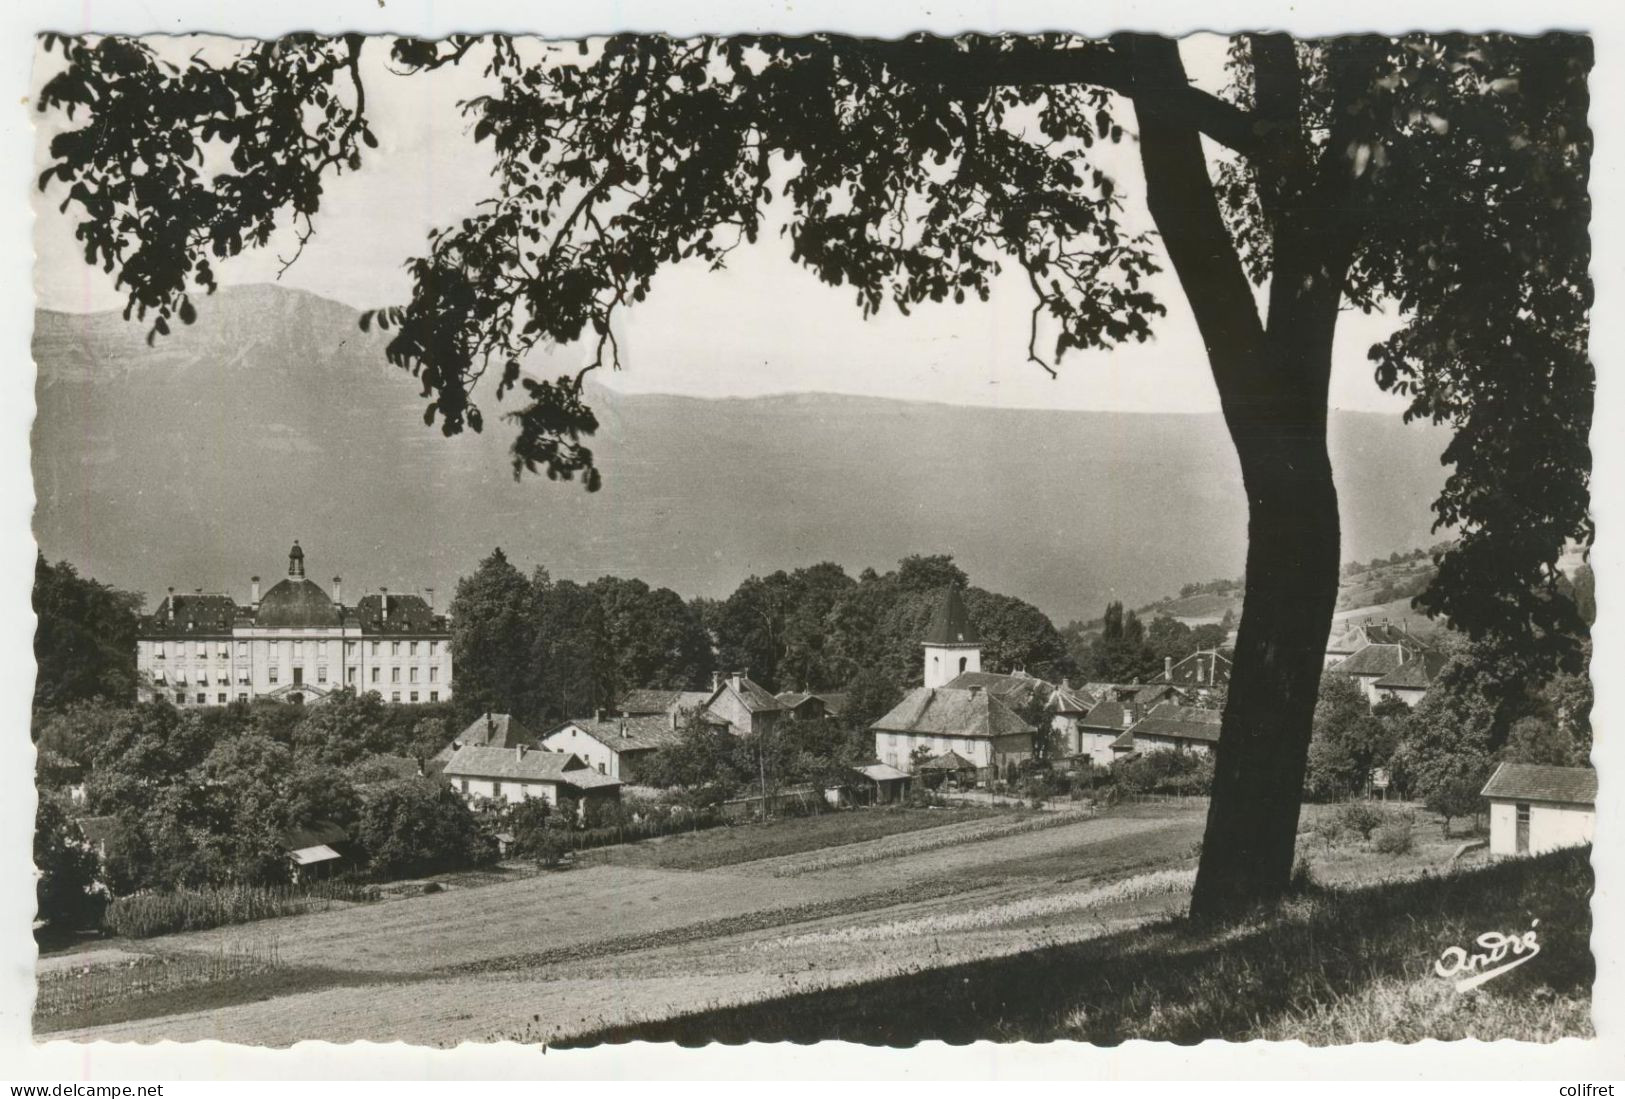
1536, 808
1351, 639
1016, 689
1403, 670
512, 775
613, 746
1092, 735
1169, 726
745, 706
990, 736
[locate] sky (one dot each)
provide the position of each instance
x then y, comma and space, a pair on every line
762, 326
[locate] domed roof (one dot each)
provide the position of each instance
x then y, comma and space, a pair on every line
294, 603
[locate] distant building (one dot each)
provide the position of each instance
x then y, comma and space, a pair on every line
1016, 690
314, 851
1404, 670
972, 721
1354, 637
513, 775
613, 746
806, 706
1535, 809
1171, 727
745, 706
296, 644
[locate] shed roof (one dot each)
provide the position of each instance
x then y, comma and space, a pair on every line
948, 761
881, 772
952, 711
1534, 782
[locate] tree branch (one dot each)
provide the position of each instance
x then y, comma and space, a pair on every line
1180, 195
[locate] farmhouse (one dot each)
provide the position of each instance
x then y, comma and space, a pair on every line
514, 774
1171, 727
807, 706
1342, 645
1535, 808
1016, 690
969, 721
612, 746
744, 705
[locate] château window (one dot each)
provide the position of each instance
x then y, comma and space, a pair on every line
414, 696
321, 673
242, 650
434, 674
242, 696
349, 648
375, 648
271, 674
412, 648
222, 698
223, 650
496, 788
375, 675
202, 698
180, 697
158, 650
434, 648
412, 674
434, 696
394, 675
349, 675
962, 662
394, 696
200, 648
394, 648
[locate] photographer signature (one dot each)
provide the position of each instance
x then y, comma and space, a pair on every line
1493, 951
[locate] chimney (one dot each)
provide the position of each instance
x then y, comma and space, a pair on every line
1128, 715
519, 752
253, 590
735, 679
429, 594
598, 715
338, 589
716, 677
1168, 668
383, 601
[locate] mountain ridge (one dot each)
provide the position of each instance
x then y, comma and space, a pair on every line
197, 461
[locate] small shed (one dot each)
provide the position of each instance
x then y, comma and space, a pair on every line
1536, 808
888, 782
949, 766
314, 850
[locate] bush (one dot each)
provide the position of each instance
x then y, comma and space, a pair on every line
1164, 771
417, 826
1393, 838
1360, 817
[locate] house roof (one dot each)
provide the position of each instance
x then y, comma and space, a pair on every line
756, 698
1417, 673
1532, 782
1374, 660
1169, 719
1105, 714
948, 761
950, 623
1358, 636
634, 733
1072, 700
192, 614
490, 731
649, 700
407, 614
1014, 690
834, 701
881, 772
952, 711
534, 765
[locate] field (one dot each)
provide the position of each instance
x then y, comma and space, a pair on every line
684, 925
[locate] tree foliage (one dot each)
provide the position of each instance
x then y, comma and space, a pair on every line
84, 642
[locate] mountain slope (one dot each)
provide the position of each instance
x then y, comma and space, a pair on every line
196, 463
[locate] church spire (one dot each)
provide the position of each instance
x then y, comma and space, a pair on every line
951, 645
296, 562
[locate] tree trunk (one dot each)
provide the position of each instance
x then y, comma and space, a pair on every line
1291, 590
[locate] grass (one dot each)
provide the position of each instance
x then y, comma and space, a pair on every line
145, 915
841, 858
740, 843
1334, 965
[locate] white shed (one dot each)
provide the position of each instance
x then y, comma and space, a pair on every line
1535, 808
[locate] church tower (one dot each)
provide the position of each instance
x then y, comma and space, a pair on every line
951, 645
